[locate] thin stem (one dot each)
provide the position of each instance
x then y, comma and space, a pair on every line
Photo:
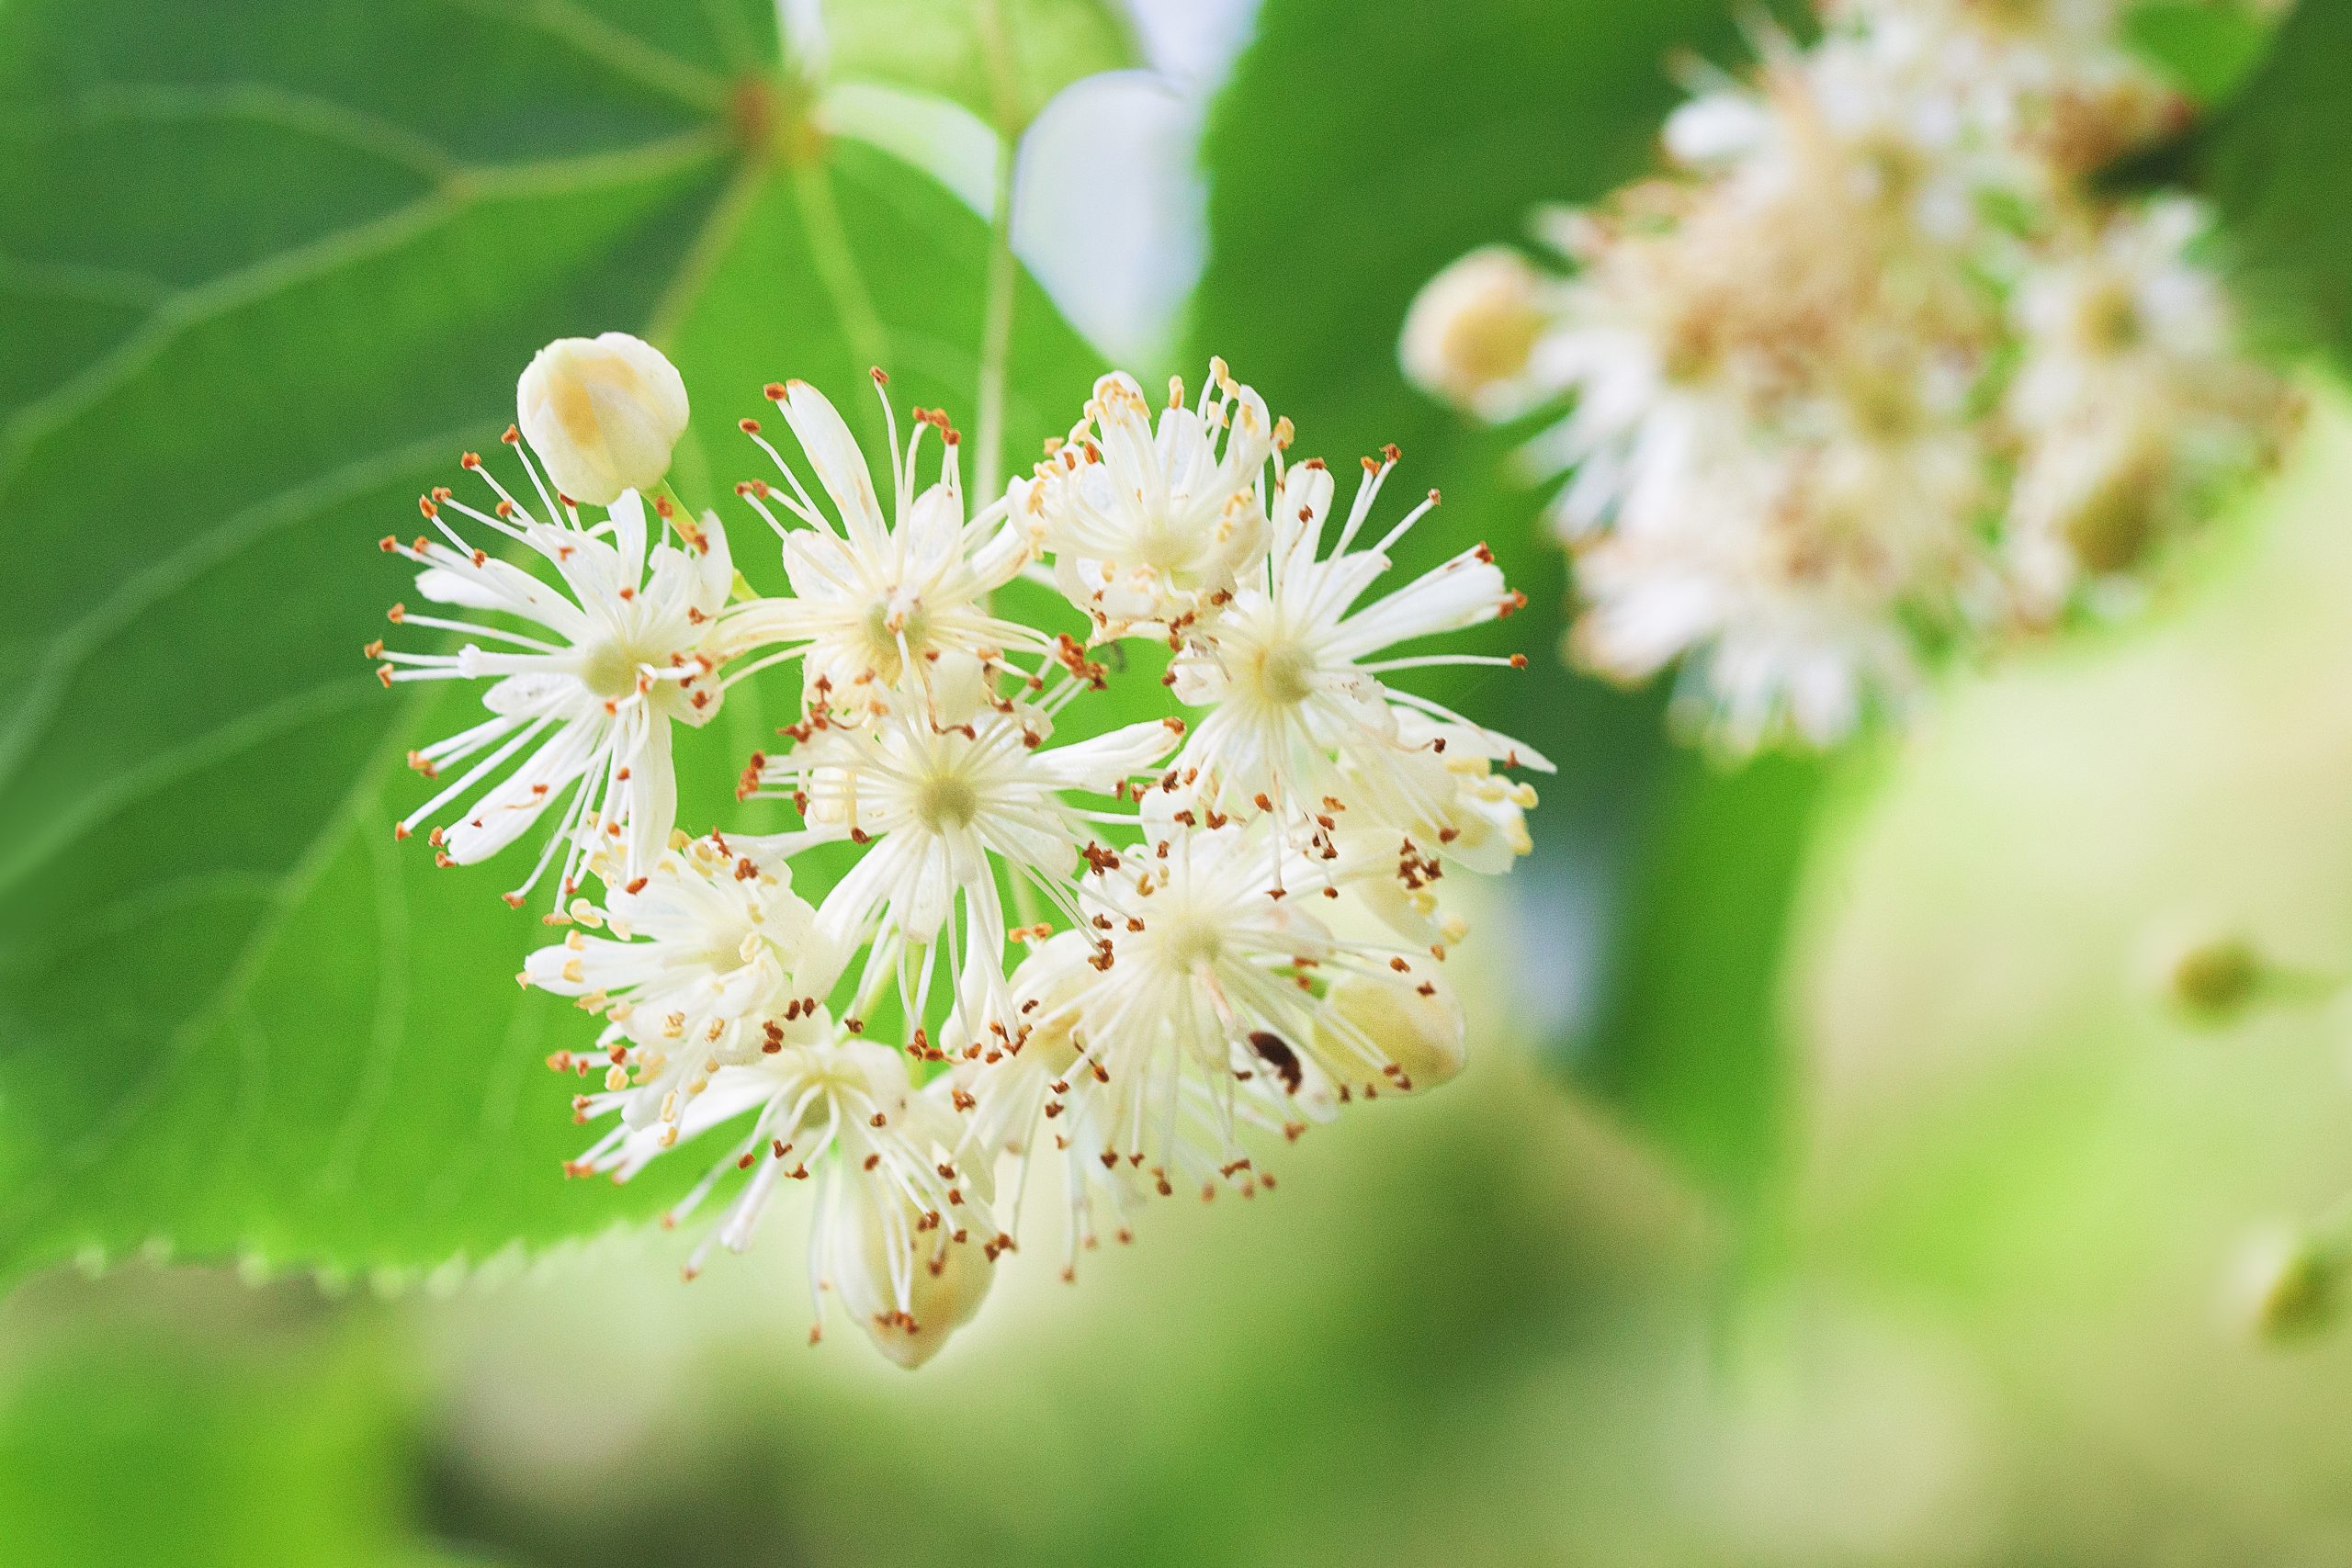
995, 323
829, 244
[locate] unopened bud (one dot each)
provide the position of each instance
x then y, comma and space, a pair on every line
1471, 330
944, 1283
2214, 982
2288, 1285
957, 684
1420, 1031
603, 413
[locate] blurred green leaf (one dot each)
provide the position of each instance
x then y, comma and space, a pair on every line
2279, 166
2206, 47
1357, 150
264, 270
160, 1425
951, 47
1695, 1028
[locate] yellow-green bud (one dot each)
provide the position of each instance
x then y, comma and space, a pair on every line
2289, 1285
2215, 981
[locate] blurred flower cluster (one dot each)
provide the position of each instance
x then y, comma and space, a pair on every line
1877, 369
1113, 950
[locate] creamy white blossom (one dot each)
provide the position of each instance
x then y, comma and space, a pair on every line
938, 809
701, 965
1148, 527
1101, 970
895, 1218
880, 606
1288, 669
590, 662
2132, 399
1874, 370
1471, 333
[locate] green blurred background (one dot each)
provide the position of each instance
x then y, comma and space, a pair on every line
1830, 1185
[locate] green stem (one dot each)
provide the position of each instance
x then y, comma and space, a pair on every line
996, 322
812, 186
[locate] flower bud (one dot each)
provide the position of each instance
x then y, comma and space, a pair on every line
603, 413
1420, 1034
2214, 981
2288, 1285
1472, 328
958, 684
909, 1289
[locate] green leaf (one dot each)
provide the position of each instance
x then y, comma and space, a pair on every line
176, 1424
2279, 166
1003, 60
1696, 1029
268, 270
2206, 47
1345, 170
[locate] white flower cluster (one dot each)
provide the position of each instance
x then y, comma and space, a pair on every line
1875, 371
1116, 951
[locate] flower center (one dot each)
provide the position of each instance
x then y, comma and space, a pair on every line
1284, 674
945, 802
2110, 318
611, 671
1165, 546
1192, 941
885, 623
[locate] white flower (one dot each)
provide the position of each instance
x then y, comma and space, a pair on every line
582, 699
939, 809
1471, 333
700, 970
1202, 998
2132, 398
1016, 1077
1796, 589
1219, 948
1205, 1010
603, 413
881, 606
895, 1216
1439, 789
2059, 78
1287, 668
1148, 528
1799, 466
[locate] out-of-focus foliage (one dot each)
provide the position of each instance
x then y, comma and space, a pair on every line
266, 273
198, 1423
2280, 168
947, 46
1346, 168
2206, 48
